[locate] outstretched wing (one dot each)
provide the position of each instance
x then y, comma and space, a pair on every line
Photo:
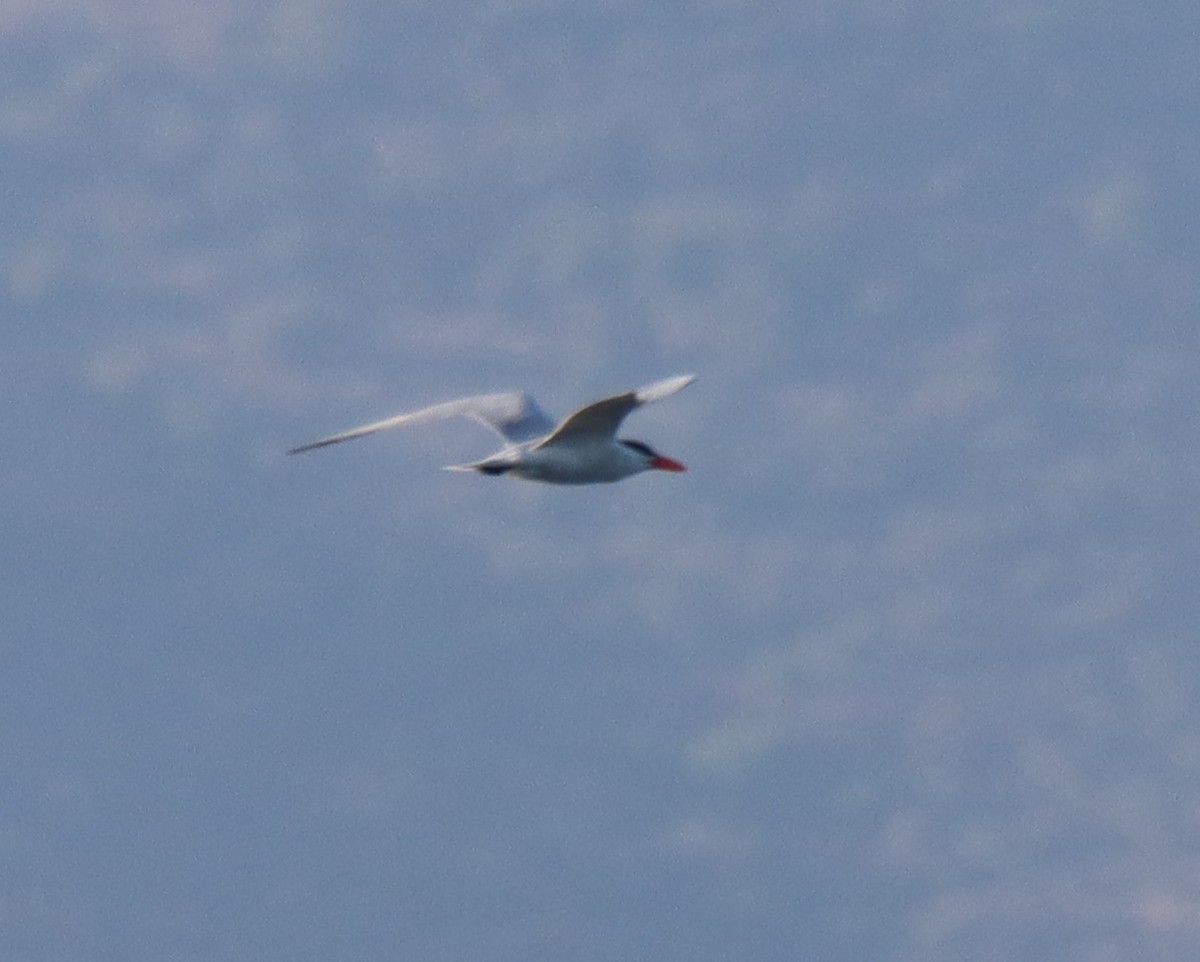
516, 417
602, 418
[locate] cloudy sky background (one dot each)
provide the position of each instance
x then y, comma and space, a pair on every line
904, 668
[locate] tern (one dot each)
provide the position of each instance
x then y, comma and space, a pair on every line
583, 448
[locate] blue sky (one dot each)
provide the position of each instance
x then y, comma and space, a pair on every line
904, 667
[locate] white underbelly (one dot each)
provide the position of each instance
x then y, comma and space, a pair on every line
572, 465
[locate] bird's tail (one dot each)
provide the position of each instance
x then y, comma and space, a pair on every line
491, 468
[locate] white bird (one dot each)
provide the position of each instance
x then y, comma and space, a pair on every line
581, 449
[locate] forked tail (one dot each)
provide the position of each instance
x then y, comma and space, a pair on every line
491, 468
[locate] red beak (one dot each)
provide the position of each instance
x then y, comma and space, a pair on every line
661, 463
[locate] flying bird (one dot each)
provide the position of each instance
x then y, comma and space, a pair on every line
583, 448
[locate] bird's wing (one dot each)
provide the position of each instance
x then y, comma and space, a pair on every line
516, 417
602, 418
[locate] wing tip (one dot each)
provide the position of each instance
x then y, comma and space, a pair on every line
664, 388
313, 445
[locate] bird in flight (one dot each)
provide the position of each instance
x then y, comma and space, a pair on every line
583, 448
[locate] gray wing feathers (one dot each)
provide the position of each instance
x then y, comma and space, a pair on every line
516, 417
602, 418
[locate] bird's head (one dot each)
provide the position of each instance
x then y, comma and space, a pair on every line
651, 459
